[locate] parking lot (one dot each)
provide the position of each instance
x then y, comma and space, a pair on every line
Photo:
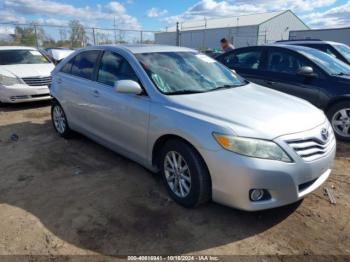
68, 197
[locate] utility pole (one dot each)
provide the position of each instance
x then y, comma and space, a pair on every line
237, 32
115, 32
204, 33
93, 35
177, 34
141, 36
36, 37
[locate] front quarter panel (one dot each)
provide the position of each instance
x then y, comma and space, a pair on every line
168, 120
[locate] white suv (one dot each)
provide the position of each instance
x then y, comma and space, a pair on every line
25, 75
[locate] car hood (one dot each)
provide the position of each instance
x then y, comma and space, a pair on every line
252, 111
345, 78
58, 54
27, 70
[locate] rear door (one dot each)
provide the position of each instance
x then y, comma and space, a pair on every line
280, 73
75, 81
246, 62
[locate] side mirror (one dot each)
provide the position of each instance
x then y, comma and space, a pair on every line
127, 87
306, 71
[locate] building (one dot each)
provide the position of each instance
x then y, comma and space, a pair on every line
341, 35
246, 30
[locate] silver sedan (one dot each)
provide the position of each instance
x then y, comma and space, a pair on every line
210, 133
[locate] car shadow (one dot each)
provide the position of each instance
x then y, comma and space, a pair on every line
98, 200
23, 106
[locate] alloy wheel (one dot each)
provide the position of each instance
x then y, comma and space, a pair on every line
177, 174
59, 119
341, 122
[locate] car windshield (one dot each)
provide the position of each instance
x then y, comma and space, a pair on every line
344, 50
328, 63
15, 57
187, 72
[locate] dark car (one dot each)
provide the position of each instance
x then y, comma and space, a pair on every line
300, 71
338, 50
212, 53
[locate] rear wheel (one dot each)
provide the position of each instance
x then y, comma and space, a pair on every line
59, 120
185, 174
339, 116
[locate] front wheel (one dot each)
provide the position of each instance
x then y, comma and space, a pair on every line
59, 120
185, 174
339, 116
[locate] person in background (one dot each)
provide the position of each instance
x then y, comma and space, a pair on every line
226, 46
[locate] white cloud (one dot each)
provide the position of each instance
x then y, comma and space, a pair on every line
295, 5
51, 21
334, 17
155, 12
225, 8
115, 7
8, 16
54, 9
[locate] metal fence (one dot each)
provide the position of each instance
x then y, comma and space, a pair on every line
73, 36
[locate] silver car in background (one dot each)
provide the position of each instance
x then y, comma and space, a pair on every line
210, 133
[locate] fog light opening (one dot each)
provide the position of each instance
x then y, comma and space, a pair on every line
259, 195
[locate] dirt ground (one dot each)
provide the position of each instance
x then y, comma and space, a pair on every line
74, 197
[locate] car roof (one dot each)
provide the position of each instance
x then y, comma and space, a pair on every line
306, 41
143, 48
289, 47
16, 48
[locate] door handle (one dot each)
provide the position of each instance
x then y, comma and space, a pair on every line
95, 93
269, 82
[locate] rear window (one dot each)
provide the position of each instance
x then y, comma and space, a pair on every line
246, 59
15, 57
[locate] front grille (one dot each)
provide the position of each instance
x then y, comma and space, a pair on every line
14, 98
313, 148
41, 95
37, 81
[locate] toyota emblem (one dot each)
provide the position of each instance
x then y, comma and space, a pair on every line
324, 134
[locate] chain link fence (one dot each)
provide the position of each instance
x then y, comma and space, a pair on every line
73, 36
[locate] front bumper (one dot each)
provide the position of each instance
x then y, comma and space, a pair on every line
233, 176
23, 93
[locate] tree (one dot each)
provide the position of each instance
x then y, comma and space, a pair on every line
77, 34
30, 36
25, 36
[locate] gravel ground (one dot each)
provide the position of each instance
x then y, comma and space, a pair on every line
74, 197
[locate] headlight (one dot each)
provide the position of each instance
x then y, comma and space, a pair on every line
9, 81
252, 147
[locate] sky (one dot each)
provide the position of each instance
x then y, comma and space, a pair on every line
159, 14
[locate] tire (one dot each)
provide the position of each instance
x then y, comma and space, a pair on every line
195, 180
339, 116
59, 120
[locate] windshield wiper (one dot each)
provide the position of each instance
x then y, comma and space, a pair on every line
341, 74
226, 87
184, 92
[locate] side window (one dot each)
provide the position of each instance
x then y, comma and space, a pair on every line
114, 67
282, 61
67, 67
250, 59
325, 48
83, 65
